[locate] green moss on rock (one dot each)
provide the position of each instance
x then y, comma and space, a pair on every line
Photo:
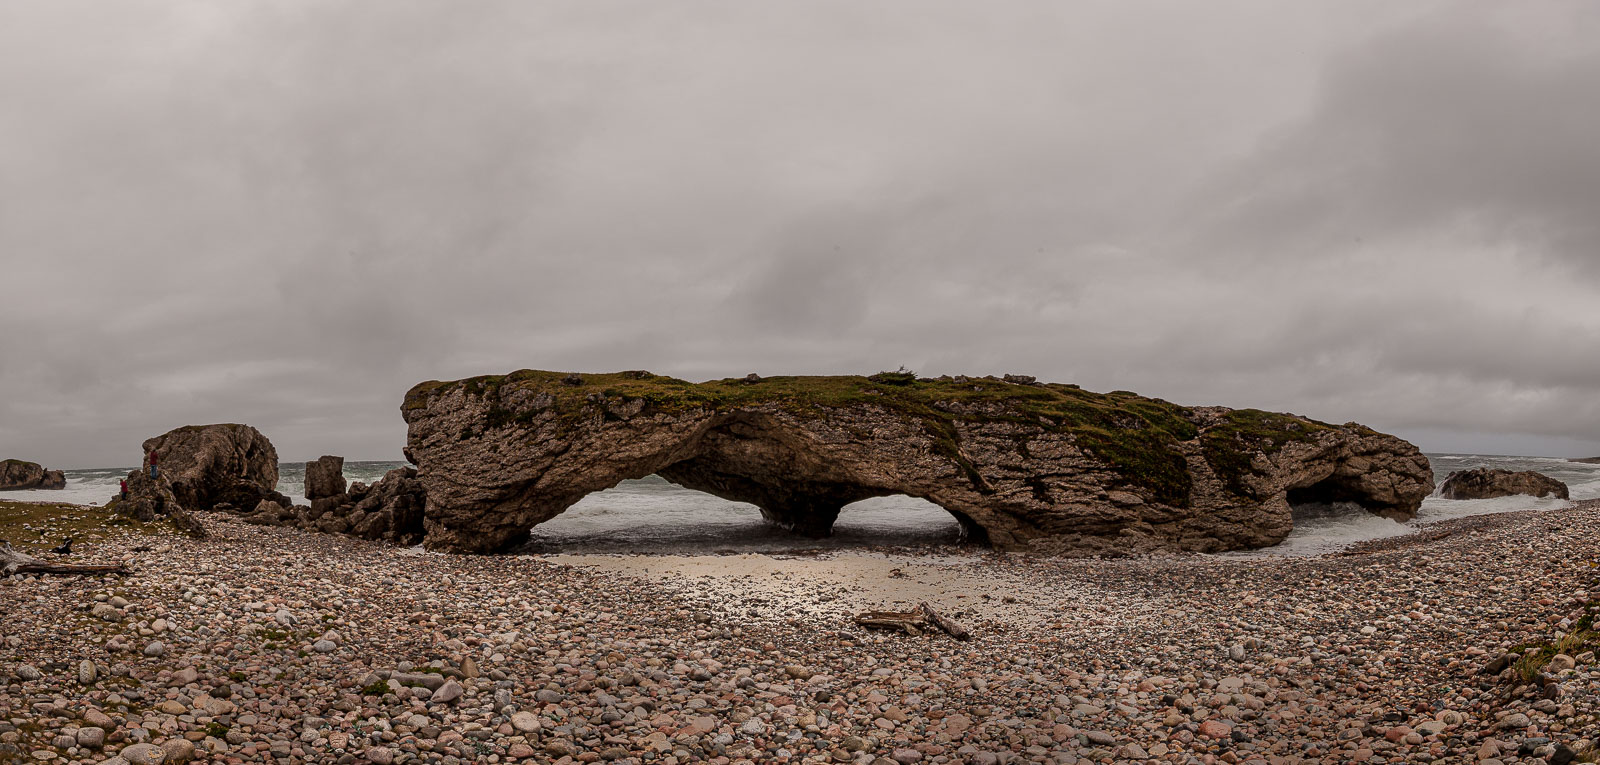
1229, 446
1136, 437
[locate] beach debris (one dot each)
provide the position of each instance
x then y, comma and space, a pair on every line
65, 548
913, 623
14, 561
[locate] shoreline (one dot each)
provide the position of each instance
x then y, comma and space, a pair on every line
1428, 529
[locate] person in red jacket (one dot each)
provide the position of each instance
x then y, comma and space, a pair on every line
124, 488
153, 458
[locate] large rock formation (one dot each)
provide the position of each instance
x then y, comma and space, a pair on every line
202, 467
1487, 483
1025, 465
325, 477
390, 509
16, 475
212, 464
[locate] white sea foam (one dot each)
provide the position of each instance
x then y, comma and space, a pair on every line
1324, 529
98, 485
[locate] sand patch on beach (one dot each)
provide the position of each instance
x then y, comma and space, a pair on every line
828, 589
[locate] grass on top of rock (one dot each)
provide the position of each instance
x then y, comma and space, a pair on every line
1230, 445
1137, 437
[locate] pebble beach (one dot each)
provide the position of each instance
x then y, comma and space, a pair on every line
276, 645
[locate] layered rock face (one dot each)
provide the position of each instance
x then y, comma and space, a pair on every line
207, 465
16, 475
325, 478
150, 499
390, 509
1487, 483
1029, 466
202, 467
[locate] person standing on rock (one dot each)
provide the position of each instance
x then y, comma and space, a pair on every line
153, 457
124, 488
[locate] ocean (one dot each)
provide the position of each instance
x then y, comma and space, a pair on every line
652, 515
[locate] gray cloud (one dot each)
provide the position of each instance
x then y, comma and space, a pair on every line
287, 213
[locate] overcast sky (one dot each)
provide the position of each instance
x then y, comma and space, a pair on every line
287, 213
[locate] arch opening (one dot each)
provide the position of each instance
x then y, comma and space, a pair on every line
653, 514
1336, 493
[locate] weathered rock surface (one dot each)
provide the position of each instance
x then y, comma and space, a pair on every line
201, 467
1488, 483
150, 499
390, 509
16, 475
325, 477
206, 465
1026, 465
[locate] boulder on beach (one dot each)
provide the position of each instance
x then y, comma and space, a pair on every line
201, 467
207, 465
17, 475
1022, 464
325, 477
1488, 483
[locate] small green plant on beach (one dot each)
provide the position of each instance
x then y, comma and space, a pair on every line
1582, 637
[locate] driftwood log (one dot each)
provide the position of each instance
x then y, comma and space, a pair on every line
14, 561
914, 623
945, 625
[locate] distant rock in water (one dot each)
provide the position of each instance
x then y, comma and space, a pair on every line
17, 475
1487, 483
1025, 465
1587, 460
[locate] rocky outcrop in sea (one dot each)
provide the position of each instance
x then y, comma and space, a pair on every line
18, 475
1024, 465
1488, 483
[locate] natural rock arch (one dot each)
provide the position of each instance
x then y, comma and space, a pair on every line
1028, 466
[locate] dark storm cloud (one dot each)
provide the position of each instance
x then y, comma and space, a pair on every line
287, 213
1460, 121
